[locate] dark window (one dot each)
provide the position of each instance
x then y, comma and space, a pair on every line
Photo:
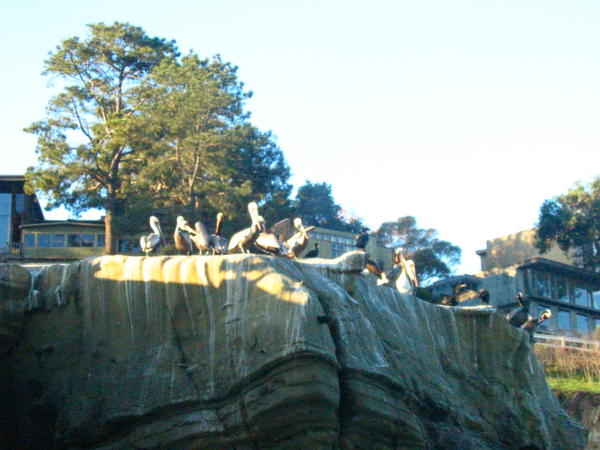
128, 245
29, 240
100, 240
561, 291
80, 240
51, 240
541, 284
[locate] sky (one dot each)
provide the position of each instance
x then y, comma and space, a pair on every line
466, 115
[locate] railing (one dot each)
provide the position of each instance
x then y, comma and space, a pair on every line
11, 250
572, 343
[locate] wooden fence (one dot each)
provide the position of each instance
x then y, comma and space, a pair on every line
572, 343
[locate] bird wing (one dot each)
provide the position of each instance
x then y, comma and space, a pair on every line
283, 230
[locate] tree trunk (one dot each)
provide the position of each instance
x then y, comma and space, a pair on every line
109, 244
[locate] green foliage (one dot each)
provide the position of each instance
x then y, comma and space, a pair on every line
572, 221
90, 136
315, 205
433, 257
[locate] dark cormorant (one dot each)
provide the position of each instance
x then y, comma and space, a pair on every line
314, 252
362, 239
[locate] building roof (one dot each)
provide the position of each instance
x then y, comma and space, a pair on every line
555, 266
12, 177
73, 223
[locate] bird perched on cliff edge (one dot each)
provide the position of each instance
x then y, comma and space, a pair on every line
518, 316
151, 242
533, 322
362, 239
314, 252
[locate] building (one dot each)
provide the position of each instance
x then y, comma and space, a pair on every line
333, 243
16, 209
511, 264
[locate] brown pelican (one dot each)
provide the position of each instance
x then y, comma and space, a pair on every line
297, 243
518, 316
531, 323
403, 275
183, 241
216, 242
268, 242
151, 242
200, 237
241, 240
314, 252
362, 239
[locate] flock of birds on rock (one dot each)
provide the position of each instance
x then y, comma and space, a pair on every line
289, 239
285, 238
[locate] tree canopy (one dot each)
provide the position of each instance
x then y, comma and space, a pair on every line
572, 221
434, 258
90, 137
315, 205
137, 129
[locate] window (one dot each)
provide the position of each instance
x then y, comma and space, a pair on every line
336, 250
579, 296
19, 203
128, 245
561, 291
80, 240
29, 240
541, 284
51, 240
564, 320
596, 299
100, 240
582, 323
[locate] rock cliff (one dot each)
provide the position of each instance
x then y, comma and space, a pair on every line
253, 351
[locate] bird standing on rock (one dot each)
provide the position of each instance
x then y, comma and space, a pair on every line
151, 242
520, 315
531, 324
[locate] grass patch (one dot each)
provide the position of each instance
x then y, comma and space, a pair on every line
574, 385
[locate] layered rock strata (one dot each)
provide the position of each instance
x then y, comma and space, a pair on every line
253, 351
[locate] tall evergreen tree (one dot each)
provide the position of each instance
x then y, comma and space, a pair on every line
90, 139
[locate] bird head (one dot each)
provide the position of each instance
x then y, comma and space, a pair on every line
546, 314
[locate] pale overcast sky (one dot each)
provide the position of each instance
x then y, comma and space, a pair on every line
464, 114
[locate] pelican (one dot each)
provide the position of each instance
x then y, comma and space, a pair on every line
183, 241
216, 242
200, 237
532, 322
151, 242
297, 243
268, 242
402, 276
452, 300
242, 239
518, 316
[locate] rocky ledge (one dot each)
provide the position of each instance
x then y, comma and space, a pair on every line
251, 351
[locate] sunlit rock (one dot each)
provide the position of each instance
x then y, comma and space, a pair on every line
253, 351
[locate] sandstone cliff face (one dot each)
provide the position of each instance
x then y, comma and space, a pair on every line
252, 351
585, 407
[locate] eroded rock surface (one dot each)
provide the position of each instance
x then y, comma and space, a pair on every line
15, 283
253, 351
